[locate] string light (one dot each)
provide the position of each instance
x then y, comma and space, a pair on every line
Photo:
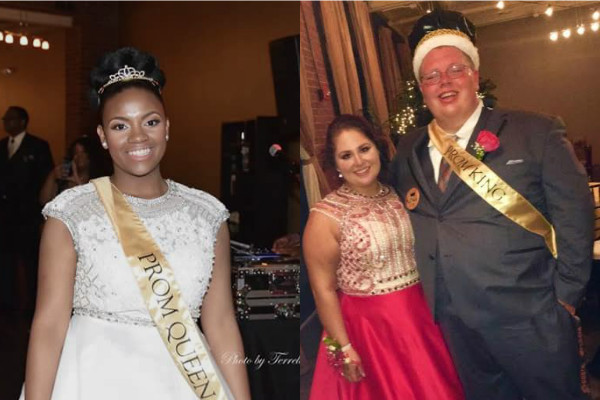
594, 26
500, 5
549, 11
554, 36
10, 37
566, 33
596, 15
581, 30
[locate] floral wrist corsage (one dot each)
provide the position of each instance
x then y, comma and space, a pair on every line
486, 142
336, 353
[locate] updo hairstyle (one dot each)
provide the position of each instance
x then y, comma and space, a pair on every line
111, 63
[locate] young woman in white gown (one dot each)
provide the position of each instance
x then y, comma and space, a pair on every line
92, 336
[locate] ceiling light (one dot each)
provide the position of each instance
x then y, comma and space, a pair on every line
45, 45
554, 36
500, 5
549, 11
37, 43
594, 26
566, 33
9, 38
581, 29
596, 15
23, 41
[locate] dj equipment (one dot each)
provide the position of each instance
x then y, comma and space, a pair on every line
265, 284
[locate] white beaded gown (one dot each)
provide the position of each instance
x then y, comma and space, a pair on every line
112, 349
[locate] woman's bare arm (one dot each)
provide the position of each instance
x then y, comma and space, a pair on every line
219, 323
56, 279
322, 254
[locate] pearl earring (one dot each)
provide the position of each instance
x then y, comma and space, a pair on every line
340, 175
167, 138
105, 145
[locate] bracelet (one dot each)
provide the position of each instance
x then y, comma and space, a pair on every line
346, 347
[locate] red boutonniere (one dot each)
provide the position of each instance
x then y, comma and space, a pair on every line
486, 143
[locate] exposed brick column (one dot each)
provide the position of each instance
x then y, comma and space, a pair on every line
311, 52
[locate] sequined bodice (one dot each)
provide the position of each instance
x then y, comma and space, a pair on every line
376, 241
183, 222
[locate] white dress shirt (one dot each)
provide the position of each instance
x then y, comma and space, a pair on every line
463, 135
14, 142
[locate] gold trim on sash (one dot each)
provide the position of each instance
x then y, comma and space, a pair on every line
162, 296
492, 188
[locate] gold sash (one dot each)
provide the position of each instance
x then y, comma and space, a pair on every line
492, 188
162, 296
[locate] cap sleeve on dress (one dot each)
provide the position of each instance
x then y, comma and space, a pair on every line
63, 207
331, 206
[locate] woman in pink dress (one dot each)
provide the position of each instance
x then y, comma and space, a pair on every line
382, 342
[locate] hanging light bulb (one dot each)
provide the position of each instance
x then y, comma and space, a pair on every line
549, 11
1, 36
428, 11
554, 36
581, 30
37, 43
566, 33
23, 41
594, 26
9, 38
500, 5
596, 15
45, 45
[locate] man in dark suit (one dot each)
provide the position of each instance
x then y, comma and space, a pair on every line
503, 295
25, 161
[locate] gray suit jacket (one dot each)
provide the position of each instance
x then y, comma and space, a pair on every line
494, 270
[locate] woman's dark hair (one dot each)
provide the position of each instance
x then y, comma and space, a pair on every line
354, 122
111, 63
99, 165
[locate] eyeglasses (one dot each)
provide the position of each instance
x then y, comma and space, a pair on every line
454, 71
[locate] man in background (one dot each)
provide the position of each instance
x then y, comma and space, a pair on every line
25, 161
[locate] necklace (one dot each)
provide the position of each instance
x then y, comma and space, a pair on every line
382, 190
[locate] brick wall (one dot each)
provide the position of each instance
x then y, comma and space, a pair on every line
311, 53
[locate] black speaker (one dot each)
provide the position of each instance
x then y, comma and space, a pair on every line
285, 65
254, 184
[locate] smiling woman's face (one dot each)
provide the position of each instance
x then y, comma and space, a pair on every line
135, 128
357, 158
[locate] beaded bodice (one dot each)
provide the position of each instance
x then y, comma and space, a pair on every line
376, 241
183, 222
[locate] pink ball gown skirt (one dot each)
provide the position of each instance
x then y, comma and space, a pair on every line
403, 352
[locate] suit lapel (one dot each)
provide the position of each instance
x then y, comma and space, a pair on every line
489, 120
416, 167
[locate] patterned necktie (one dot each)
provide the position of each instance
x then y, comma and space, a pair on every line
444, 175
445, 170
11, 147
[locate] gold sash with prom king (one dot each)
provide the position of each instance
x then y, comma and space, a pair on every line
490, 187
162, 296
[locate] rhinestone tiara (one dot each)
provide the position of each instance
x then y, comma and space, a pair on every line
127, 73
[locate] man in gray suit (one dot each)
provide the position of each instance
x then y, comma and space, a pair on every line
504, 253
